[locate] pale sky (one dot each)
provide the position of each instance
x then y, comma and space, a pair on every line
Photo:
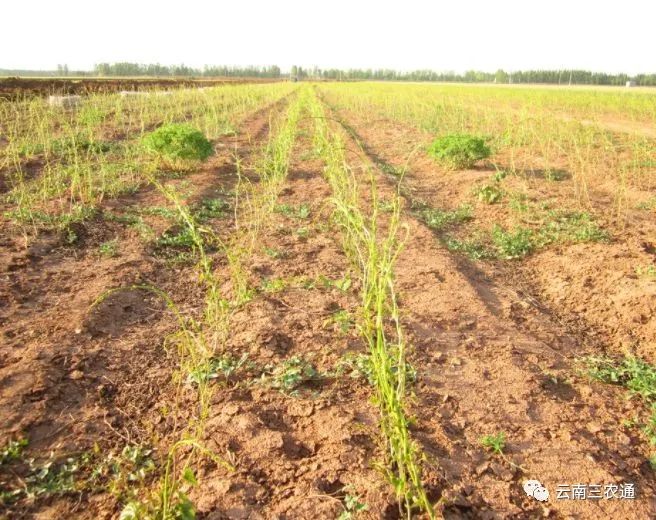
602, 35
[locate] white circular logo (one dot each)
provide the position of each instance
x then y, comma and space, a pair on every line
535, 489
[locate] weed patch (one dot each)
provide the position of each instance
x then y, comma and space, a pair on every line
513, 244
291, 374
634, 374
438, 219
459, 151
178, 142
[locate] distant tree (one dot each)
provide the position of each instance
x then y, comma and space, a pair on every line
501, 76
102, 69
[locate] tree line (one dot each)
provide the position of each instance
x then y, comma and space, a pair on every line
554, 77
155, 69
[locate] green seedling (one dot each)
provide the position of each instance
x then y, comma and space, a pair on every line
513, 244
352, 507
438, 219
216, 367
13, 450
489, 193
303, 233
274, 285
496, 443
276, 254
474, 248
636, 375
301, 212
292, 374
647, 271
109, 248
212, 208
341, 319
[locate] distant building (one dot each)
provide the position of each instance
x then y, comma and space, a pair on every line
631, 83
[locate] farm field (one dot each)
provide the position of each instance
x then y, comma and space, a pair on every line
19, 88
328, 300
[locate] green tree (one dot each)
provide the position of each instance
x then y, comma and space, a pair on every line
501, 76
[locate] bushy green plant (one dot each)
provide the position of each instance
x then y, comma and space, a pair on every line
459, 151
178, 141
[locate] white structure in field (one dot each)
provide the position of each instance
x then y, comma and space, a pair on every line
64, 101
631, 83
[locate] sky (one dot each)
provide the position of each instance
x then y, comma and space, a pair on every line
458, 35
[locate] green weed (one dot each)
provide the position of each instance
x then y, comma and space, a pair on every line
215, 367
292, 374
183, 239
563, 226
178, 142
212, 208
496, 443
167, 213
438, 219
513, 244
636, 375
489, 193
459, 151
646, 271
474, 248
647, 205
301, 212
303, 233
341, 319
109, 249
357, 366
12, 450
274, 285
352, 507
276, 254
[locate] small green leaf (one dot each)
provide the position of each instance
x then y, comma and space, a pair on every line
188, 476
